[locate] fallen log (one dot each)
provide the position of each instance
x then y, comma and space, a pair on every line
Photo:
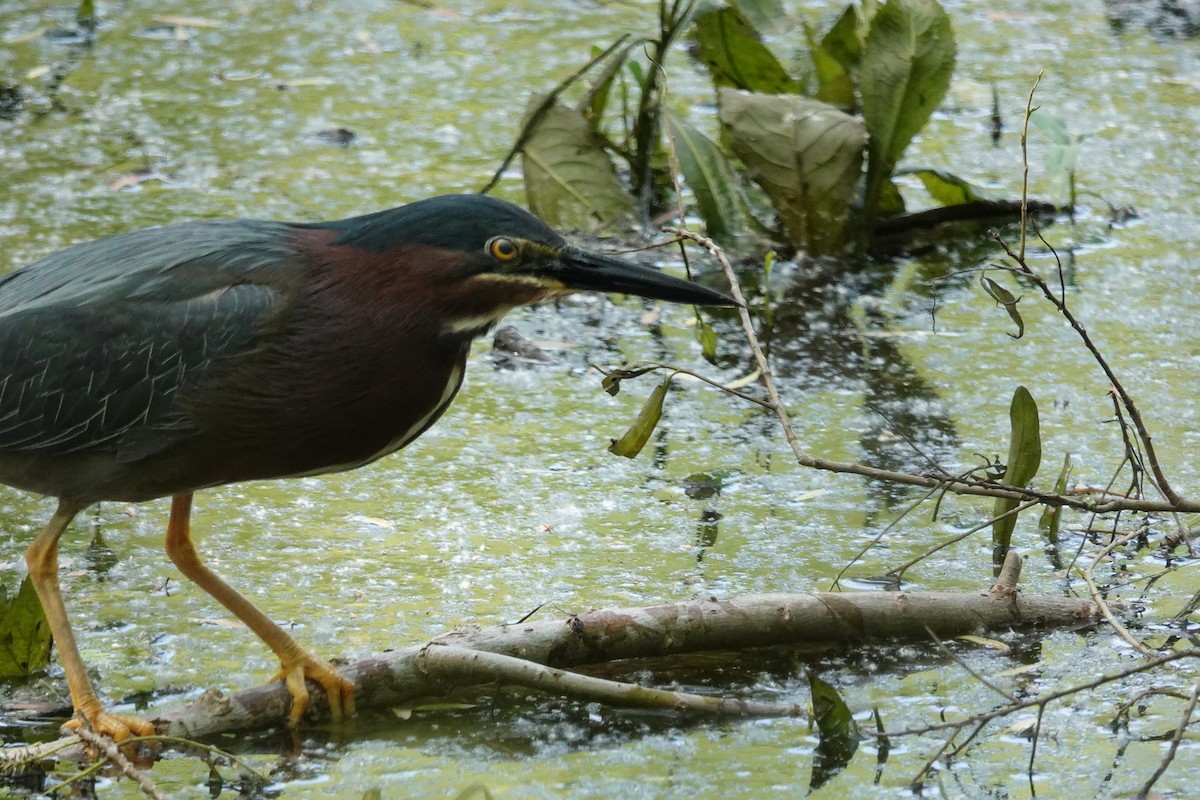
420, 671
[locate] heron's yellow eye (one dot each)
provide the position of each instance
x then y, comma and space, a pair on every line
502, 249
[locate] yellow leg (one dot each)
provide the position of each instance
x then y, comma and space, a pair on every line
296, 663
42, 559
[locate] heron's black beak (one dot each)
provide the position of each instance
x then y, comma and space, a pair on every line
579, 269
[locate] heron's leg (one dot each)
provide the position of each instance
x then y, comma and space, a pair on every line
296, 663
42, 559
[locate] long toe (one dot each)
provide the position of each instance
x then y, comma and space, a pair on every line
339, 691
117, 727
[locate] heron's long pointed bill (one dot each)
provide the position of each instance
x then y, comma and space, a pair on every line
588, 271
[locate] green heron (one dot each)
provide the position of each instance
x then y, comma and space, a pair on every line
162, 361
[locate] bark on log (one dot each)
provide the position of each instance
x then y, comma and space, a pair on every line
396, 677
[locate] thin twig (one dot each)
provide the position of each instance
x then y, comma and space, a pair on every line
654, 365
978, 488
1175, 740
1025, 163
1002, 711
1098, 597
544, 106
918, 780
1012, 512
967, 667
118, 759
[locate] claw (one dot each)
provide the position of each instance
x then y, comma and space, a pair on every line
115, 726
304, 666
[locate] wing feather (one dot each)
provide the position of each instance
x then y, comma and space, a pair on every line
97, 341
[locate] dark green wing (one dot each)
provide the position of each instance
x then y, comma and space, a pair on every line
97, 340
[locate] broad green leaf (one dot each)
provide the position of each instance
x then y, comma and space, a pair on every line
639, 432
806, 155
736, 57
708, 175
1052, 515
24, 633
596, 100
844, 41
569, 178
1024, 458
947, 188
905, 71
1007, 299
764, 15
838, 733
834, 84
707, 337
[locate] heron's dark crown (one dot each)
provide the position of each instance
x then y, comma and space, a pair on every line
463, 222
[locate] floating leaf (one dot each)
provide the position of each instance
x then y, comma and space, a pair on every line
638, 434
1024, 459
838, 733
708, 175
569, 178
905, 71
1004, 297
805, 154
735, 56
24, 633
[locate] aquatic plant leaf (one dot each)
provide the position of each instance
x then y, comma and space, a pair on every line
764, 15
569, 178
1004, 297
806, 155
639, 432
24, 633
948, 188
906, 65
834, 83
838, 733
727, 44
1024, 459
844, 41
1052, 515
707, 337
595, 102
709, 177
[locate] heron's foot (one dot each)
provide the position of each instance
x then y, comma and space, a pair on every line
304, 666
117, 727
